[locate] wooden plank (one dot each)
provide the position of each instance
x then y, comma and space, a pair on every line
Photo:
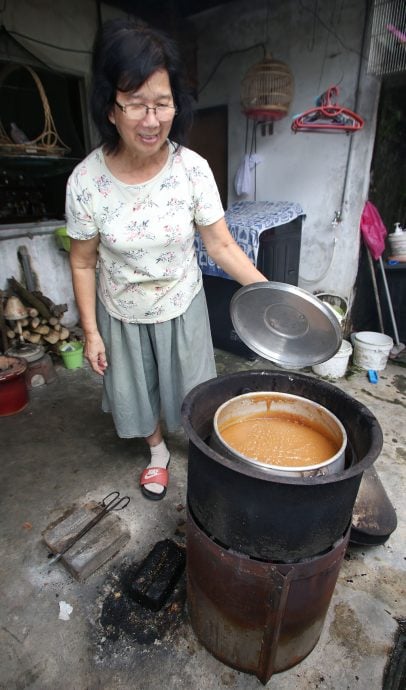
92, 550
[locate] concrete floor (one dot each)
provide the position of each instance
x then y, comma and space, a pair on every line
63, 450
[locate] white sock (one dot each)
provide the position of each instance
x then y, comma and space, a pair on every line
159, 458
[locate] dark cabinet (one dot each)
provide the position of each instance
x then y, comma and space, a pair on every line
279, 252
278, 259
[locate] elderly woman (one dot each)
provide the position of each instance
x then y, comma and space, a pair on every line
133, 207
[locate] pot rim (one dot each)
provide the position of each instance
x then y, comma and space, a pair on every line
259, 472
288, 469
17, 368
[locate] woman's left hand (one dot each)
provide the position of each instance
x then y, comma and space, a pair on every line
224, 250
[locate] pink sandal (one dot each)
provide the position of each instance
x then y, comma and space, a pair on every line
154, 475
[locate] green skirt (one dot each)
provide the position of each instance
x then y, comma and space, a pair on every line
151, 367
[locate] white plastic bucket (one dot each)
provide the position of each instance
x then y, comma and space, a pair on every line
371, 350
337, 304
335, 367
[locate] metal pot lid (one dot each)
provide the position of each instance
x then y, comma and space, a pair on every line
27, 351
285, 324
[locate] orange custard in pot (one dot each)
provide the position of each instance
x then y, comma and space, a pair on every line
283, 440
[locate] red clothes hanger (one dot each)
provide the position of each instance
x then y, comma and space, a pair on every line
328, 115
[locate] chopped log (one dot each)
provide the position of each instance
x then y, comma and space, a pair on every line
35, 322
3, 325
33, 312
24, 322
63, 334
42, 330
53, 321
34, 338
10, 334
52, 337
30, 298
58, 327
59, 309
56, 309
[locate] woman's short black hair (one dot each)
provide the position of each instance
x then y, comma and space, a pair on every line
126, 53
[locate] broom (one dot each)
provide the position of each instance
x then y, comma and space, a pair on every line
374, 232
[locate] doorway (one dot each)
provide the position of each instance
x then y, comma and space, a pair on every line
388, 171
209, 138
388, 193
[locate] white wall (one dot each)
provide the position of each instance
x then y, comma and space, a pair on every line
325, 173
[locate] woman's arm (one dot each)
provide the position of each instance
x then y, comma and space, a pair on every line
224, 250
83, 260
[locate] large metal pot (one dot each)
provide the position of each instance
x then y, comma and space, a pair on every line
273, 405
251, 511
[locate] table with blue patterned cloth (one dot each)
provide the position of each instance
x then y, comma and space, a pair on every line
246, 221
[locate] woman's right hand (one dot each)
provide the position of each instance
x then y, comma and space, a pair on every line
95, 353
83, 260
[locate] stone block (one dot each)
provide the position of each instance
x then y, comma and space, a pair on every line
95, 547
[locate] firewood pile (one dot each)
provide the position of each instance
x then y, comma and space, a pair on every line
31, 317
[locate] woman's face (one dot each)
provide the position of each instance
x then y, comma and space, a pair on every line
144, 137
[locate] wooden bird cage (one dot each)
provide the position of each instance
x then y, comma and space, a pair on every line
48, 142
267, 90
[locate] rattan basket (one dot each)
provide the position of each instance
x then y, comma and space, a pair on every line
48, 143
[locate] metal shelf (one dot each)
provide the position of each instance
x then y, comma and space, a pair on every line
42, 166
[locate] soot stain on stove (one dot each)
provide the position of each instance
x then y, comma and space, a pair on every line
120, 618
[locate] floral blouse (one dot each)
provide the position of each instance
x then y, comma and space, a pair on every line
148, 271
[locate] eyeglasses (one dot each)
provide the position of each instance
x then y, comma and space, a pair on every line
137, 111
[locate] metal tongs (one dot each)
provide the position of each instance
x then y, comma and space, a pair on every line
115, 503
